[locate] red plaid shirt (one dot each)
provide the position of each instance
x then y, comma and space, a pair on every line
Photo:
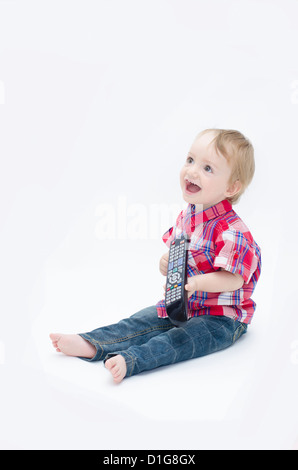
218, 240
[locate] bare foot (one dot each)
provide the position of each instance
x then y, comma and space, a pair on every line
117, 366
73, 345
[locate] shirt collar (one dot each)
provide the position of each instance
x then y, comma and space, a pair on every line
192, 221
212, 212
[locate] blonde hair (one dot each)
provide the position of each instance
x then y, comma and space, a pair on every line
239, 152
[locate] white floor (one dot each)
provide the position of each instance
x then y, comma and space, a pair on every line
97, 112
242, 398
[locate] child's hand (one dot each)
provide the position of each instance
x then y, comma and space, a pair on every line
163, 264
191, 286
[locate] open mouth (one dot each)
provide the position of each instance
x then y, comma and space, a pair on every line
192, 187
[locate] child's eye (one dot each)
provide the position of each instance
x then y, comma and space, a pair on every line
189, 159
208, 168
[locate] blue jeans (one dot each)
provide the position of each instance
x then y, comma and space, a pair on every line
147, 342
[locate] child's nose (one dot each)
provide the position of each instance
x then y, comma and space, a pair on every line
194, 174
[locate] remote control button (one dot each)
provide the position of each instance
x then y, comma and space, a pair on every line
175, 277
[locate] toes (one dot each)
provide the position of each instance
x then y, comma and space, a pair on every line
55, 336
117, 369
111, 363
113, 366
55, 339
118, 379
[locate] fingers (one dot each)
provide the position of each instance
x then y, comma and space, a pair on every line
163, 264
163, 269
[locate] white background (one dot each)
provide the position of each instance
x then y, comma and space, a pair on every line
99, 103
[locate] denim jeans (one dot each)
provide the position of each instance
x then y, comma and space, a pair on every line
147, 342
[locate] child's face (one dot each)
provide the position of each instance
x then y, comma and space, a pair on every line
204, 178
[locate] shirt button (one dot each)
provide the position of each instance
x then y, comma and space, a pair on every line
236, 255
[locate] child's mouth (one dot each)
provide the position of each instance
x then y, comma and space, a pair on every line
192, 187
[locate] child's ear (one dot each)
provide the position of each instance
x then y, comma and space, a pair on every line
233, 189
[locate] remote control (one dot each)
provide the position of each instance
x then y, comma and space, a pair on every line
175, 294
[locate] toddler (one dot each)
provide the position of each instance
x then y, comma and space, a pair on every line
224, 264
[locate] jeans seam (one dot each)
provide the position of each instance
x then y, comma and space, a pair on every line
185, 342
125, 338
193, 343
96, 344
170, 348
238, 333
130, 364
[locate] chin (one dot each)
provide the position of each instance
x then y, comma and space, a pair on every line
191, 199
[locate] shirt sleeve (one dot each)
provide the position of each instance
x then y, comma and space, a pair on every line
170, 234
236, 254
